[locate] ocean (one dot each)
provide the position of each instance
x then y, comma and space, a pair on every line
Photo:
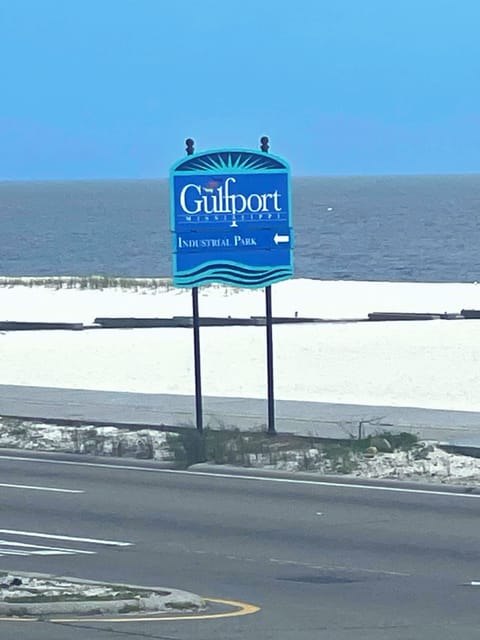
393, 228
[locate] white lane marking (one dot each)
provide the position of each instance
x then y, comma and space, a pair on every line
42, 552
98, 465
234, 476
35, 488
341, 485
53, 552
24, 545
54, 536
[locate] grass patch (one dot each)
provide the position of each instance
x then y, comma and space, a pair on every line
68, 597
14, 427
42, 596
232, 446
101, 281
404, 441
342, 457
179, 606
256, 448
129, 608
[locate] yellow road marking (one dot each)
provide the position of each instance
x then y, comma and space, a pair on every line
240, 609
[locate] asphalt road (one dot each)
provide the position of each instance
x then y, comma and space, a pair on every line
321, 419
321, 560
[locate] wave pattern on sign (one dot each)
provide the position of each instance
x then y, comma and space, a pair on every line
232, 273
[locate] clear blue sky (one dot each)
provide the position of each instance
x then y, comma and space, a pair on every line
111, 88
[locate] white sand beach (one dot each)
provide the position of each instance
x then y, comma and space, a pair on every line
428, 364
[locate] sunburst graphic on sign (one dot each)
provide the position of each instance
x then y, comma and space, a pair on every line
234, 161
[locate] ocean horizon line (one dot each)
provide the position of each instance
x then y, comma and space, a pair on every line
326, 176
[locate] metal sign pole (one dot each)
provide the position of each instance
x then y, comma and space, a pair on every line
196, 335
264, 146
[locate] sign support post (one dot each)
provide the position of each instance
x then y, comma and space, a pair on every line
264, 146
190, 148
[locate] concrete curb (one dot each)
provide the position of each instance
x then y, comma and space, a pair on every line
218, 469
249, 472
147, 599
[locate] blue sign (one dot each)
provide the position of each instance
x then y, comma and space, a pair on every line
231, 219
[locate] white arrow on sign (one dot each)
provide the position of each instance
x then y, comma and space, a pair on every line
277, 238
